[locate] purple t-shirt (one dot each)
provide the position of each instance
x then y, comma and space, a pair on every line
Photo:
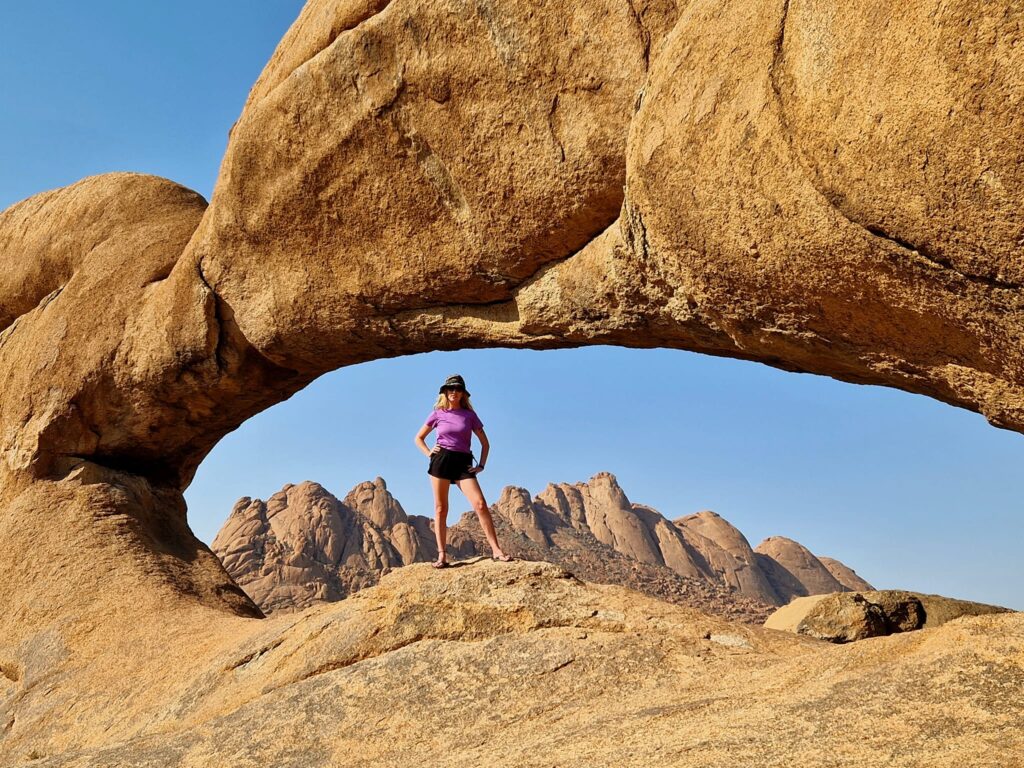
454, 427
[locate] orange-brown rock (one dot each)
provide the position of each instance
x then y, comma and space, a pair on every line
834, 193
728, 554
539, 663
464, 150
289, 560
303, 546
939, 609
903, 611
676, 552
846, 616
600, 507
844, 574
412, 536
758, 180
798, 561
518, 510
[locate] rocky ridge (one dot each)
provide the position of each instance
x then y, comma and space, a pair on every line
304, 546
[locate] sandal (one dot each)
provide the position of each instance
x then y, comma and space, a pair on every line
505, 559
441, 564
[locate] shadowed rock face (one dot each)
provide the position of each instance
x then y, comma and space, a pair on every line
799, 561
844, 574
756, 180
727, 553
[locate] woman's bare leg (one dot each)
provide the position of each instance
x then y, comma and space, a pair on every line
471, 487
440, 487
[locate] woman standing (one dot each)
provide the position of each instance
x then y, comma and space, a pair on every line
451, 461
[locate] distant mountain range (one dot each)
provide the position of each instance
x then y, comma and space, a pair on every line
303, 545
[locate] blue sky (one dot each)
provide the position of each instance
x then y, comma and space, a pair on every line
910, 492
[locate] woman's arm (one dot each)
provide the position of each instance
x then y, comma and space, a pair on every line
424, 431
485, 446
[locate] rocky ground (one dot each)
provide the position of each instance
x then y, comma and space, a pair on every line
523, 664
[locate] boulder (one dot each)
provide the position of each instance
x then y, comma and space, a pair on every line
846, 616
842, 618
938, 610
903, 611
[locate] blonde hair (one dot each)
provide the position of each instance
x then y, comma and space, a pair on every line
442, 402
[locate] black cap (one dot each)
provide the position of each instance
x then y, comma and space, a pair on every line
454, 381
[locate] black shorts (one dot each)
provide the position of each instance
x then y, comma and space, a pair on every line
451, 465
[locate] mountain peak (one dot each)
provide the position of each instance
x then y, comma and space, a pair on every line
304, 545
801, 563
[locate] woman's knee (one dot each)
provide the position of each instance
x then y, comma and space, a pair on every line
440, 508
481, 507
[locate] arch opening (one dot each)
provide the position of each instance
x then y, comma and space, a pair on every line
861, 474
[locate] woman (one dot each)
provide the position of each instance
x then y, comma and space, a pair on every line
451, 461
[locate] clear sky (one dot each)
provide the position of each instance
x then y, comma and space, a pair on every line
909, 492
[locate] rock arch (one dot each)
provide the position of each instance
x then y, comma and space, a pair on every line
759, 180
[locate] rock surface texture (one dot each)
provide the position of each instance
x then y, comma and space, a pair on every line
543, 669
819, 187
303, 546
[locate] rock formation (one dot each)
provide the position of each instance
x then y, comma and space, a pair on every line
534, 662
554, 527
844, 617
797, 561
728, 554
847, 616
761, 180
304, 546
412, 536
703, 546
844, 574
